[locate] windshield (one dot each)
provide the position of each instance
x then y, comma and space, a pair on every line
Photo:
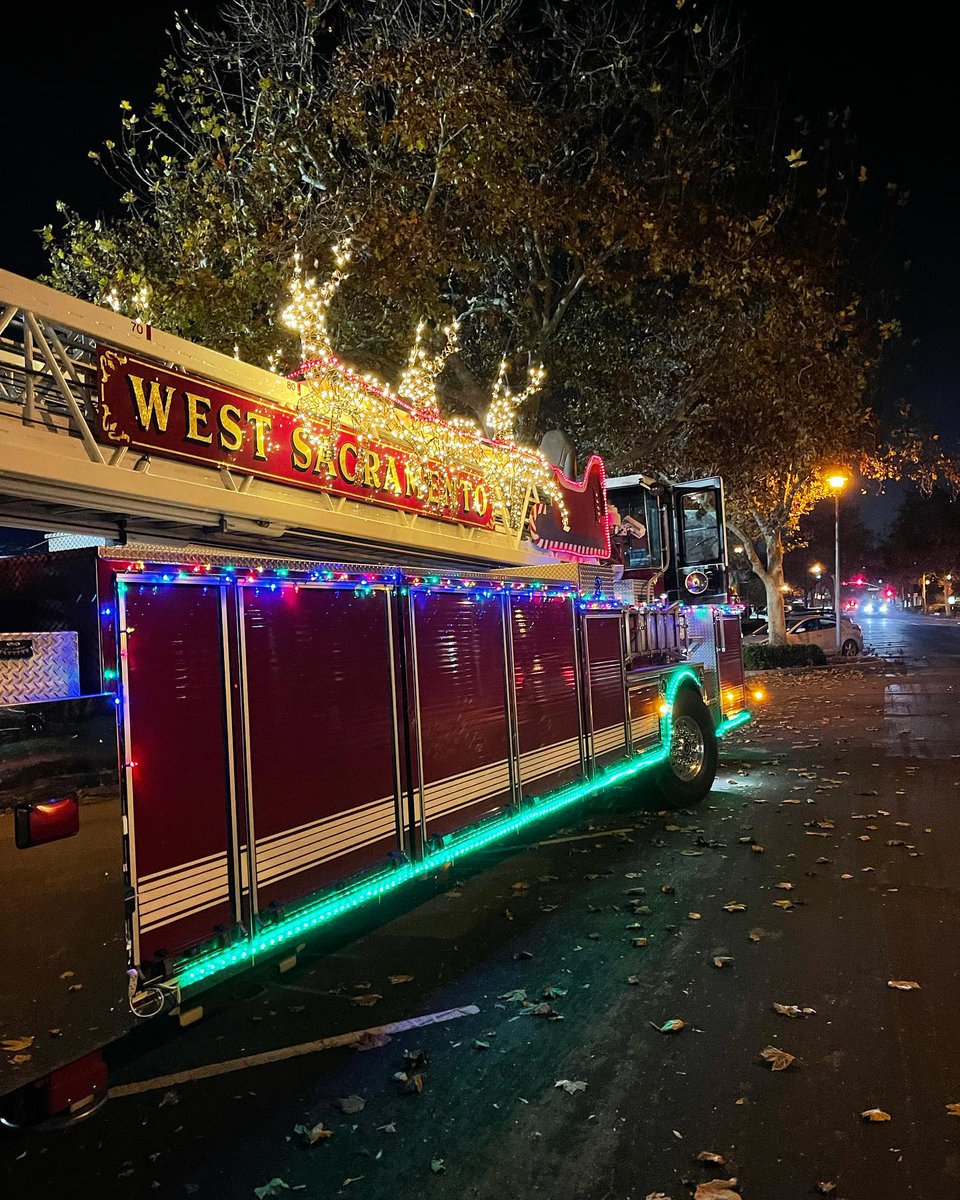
700, 527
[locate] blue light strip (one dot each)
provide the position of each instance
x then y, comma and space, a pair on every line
325, 910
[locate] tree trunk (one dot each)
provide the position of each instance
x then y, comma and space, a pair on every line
770, 575
773, 583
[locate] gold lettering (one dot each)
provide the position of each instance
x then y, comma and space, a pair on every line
231, 435
260, 425
481, 502
371, 465
325, 466
302, 454
350, 476
467, 494
195, 416
391, 477
151, 407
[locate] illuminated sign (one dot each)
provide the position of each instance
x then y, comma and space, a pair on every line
167, 413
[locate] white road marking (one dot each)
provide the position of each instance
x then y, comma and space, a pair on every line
271, 1056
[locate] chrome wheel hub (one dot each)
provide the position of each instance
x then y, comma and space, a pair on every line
687, 749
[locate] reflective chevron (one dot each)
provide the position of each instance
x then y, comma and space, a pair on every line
534, 764
610, 738
645, 729
305, 846
181, 891
459, 791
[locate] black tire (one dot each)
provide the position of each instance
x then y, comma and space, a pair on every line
849, 649
688, 774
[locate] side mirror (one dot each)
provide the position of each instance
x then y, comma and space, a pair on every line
46, 821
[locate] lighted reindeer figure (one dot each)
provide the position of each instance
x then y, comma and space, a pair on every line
444, 455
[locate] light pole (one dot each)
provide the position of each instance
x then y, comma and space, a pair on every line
816, 571
837, 482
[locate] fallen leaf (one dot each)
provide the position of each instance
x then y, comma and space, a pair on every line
516, 994
552, 993
273, 1188
668, 889
793, 1010
904, 985
717, 1189
734, 906
721, 960
400, 978
571, 1086
757, 848
310, 1135
785, 887
783, 903
659, 1195
390, 1127
694, 916
826, 1188
953, 1110
15, 1045
639, 942
779, 1060
366, 1000
875, 1114
352, 1104
708, 1156
436, 1166
673, 1026
633, 979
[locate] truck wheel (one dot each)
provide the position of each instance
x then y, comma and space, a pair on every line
688, 774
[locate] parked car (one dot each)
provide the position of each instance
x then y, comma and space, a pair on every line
818, 629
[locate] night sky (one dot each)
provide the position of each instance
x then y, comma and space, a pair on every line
898, 76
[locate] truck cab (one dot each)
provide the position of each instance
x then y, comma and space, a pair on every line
671, 537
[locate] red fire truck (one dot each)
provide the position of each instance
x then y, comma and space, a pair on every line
270, 695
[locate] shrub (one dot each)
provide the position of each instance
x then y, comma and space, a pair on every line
763, 658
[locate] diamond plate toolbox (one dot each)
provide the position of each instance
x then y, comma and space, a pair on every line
38, 666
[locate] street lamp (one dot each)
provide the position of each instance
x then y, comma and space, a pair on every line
837, 482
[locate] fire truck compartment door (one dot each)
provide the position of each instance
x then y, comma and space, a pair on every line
179, 770
321, 762
605, 696
63, 958
547, 700
461, 708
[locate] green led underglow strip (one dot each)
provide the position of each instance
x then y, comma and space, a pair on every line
380, 885
734, 722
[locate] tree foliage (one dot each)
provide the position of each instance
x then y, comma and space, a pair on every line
588, 186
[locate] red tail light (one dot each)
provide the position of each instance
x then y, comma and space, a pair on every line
46, 821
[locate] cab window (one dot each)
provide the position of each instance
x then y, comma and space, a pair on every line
700, 527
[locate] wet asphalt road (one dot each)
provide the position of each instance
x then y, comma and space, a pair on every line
850, 783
